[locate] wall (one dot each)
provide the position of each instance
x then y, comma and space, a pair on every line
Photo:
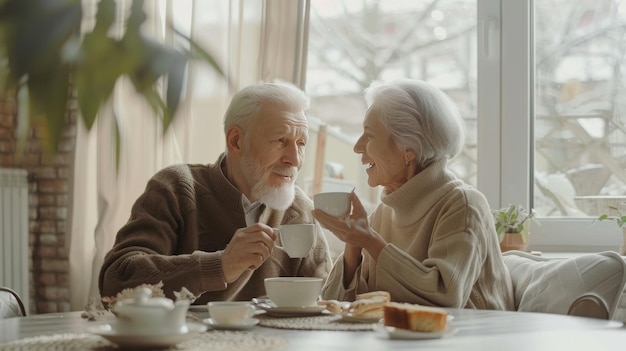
49, 178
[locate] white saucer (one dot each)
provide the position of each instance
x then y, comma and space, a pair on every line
146, 341
198, 308
248, 324
293, 311
397, 333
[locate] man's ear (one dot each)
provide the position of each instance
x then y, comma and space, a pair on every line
234, 140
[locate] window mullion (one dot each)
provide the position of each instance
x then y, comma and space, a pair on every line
516, 110
489, 78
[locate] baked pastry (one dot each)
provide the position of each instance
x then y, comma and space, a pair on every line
415, 317
332, 306
384, 295
370, 304
366, 305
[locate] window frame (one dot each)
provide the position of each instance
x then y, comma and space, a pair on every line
505, 100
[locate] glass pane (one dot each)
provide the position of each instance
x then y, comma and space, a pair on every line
353, 42
580, 107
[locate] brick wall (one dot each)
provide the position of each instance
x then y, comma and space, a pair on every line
49, 179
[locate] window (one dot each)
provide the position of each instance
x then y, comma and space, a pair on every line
353, 42
580, 107
541, 92
553, 114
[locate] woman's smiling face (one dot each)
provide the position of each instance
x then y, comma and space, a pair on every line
386, 161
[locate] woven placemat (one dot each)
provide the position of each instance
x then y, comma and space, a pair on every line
312, 323
218, 340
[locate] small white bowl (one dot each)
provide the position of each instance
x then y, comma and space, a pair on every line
294, 291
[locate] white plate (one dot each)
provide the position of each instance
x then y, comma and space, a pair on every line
250, 323
347, 318
293, 311
397, 333
146, 341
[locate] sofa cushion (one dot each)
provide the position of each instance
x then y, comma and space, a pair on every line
554, 285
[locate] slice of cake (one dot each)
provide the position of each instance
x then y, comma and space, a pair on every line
415, 317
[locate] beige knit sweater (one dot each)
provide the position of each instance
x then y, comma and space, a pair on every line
178, 228
442, 248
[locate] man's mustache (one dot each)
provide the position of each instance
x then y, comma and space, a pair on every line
286, 171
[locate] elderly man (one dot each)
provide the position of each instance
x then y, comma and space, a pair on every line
208, 228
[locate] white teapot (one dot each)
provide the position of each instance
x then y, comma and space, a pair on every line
146, 315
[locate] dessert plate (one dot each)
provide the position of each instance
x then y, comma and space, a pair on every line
248, 324
145, 341
397, 333
348, 318
293, 311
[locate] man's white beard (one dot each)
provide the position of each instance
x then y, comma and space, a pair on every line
277, 197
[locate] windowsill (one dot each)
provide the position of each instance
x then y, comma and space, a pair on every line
574, 236
562, 254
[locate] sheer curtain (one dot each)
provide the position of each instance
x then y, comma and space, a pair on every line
251, 40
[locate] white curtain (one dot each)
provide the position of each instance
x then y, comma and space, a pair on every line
251, 40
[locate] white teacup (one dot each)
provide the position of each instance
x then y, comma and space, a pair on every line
297, 239
230, 312
336, 204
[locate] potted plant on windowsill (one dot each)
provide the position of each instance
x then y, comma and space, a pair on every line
620, 220
512, 227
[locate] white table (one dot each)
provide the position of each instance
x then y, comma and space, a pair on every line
478, 330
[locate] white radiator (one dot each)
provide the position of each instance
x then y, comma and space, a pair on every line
14, 232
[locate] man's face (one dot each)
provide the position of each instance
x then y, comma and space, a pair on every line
273, 153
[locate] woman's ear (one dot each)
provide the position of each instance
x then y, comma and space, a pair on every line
234, 140
409, 156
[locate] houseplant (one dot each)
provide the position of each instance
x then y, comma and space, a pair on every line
47, 61
620, 220
512, 227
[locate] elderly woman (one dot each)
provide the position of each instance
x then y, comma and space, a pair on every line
431, 240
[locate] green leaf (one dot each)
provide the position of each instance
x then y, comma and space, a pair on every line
197, 52
105, 17
97, 73
175, 81
37, 37
48, 95
118, 141
23, 117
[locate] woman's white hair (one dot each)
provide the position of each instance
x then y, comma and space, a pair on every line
246, 103
420, 117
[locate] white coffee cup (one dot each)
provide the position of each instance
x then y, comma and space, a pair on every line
293, 291
297, 239
230, 312
336, 204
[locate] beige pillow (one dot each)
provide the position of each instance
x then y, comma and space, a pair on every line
552, 285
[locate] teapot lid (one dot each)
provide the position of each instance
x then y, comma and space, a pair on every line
142, 296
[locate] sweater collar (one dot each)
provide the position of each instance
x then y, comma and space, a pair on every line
230, 195
414, 198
